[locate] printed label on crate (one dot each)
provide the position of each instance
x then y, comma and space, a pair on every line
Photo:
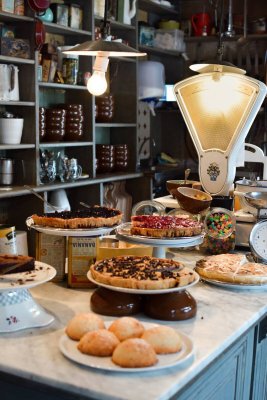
81, 254
51, 249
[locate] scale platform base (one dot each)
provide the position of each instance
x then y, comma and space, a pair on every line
18, 310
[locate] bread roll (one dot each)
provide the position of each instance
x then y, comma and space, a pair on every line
163, 339
126, 328
98, 343
134, 353
82, 323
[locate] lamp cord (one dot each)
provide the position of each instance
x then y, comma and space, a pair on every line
105, 24
220, 42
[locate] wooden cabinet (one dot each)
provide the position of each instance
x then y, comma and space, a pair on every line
259, 382
229, 377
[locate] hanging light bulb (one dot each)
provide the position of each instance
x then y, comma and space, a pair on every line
97, 83
103, 49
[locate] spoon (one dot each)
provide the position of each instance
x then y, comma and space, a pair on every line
186, 174
40, 197
84, 204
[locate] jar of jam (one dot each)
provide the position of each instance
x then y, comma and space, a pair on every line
70, 70
220, 231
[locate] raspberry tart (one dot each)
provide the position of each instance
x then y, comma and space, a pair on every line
146, 273
165, 226
93, 217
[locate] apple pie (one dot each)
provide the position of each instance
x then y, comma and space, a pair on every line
147, 273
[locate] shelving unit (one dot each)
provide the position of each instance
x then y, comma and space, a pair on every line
35, 94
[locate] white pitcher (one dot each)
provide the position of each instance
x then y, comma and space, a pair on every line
9, 82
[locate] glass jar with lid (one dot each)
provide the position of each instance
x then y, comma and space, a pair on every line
219, 226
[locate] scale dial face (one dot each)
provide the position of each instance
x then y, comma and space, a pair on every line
258, 240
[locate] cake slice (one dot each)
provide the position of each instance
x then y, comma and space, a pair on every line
12, 264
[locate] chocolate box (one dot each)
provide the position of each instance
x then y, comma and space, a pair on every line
15, 47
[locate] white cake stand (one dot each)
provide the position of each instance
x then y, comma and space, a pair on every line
70, 232
159, 245
18, 309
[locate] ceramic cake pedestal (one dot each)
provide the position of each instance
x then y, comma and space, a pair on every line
18, 309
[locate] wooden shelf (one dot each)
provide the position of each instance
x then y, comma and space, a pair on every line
17, 103
61, 86
6, 17
64, 30
65, 144
156, 8
114, 125
115, 24
16, 60
20, 146
158, 50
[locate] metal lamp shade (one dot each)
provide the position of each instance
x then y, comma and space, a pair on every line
104, 48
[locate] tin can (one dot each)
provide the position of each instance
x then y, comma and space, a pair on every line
8, 244
70, 70
19, 7
82, 252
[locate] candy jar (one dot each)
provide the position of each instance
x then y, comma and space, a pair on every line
220, 231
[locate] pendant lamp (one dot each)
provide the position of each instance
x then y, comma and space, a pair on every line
102, 49
219, 106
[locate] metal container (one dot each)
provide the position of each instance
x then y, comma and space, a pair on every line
6, 171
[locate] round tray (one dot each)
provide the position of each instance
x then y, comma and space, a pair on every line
69, 232
123, 233
143, 291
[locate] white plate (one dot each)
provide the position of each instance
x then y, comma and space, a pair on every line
69, 232
69, 348
229, 285
143, 291
123, 232
25, 280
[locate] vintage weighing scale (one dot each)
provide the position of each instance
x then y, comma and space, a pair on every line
258, 234
247, 214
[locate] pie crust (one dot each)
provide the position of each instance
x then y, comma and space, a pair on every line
164, 226
146, 273
93, 217
232, 268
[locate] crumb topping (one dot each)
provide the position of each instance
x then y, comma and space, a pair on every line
163, 222
139, 268
94, 211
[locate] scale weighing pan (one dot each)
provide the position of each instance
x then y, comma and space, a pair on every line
256, 199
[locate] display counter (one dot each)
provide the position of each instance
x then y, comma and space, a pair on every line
228, 333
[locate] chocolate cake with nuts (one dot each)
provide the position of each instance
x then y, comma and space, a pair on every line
148, 273
93, 217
